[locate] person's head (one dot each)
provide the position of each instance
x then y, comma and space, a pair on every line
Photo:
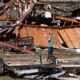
50, 33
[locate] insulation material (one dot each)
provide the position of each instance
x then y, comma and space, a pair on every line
48, 14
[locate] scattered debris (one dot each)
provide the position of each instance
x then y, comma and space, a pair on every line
25, 24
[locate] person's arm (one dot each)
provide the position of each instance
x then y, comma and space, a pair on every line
49, 38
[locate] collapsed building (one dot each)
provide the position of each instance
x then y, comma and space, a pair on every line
25, 24
21, 19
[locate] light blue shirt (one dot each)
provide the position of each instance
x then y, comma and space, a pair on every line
50, 40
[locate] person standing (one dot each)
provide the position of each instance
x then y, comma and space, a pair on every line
50, 46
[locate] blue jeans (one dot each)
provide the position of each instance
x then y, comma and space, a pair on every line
50, 50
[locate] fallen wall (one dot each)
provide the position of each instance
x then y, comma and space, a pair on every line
40, 34
69, 35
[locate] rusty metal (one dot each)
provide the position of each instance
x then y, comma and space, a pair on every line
27, 42
5, 44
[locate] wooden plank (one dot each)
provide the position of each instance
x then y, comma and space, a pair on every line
28, 64
56, 38
76, 36
65, 38
43, 38
5, 44
67, 19
23, 32
78, 30
72, 37
45, 31
40, 35
36, 36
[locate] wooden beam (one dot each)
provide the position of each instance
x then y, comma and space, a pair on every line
67, 19
5, 44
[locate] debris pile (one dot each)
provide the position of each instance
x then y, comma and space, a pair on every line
36, 18
25, 24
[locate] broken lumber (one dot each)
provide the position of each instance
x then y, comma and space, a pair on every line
67, 19
5, 44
